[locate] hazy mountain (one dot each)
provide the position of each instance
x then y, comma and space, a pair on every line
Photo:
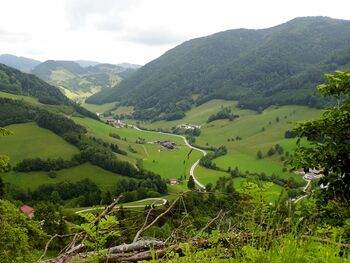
21, 63
128, 65
278, 65
77, 81
87, 63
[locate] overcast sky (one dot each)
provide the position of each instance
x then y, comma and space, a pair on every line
137, 31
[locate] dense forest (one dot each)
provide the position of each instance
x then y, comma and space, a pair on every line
259, 68
16, 82
19, 83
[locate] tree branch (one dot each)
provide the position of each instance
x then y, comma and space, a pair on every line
144, 227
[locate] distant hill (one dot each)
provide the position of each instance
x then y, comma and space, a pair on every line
19, 83
87, 63
80, 82
279, 65
128, 65
20, 63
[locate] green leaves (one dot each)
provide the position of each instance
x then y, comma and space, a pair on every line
98, 234
329, 139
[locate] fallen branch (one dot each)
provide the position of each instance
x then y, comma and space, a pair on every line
73, 249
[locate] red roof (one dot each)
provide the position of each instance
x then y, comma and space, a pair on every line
26, 209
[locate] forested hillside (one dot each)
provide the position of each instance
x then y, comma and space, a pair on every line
16, 82
279, 65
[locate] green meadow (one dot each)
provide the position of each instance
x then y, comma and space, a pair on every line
99, 108
104, 179
258, 131
30, 141
19, 97
197, 115
167, 163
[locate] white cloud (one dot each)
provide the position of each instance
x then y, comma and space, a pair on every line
136, 31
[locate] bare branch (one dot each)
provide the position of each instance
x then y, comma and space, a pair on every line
107, 210
210, 222
144, 228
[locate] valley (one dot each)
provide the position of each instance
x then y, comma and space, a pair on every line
169, 164
230, 147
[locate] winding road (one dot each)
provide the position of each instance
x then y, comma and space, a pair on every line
304, 190
193, 167
127, 206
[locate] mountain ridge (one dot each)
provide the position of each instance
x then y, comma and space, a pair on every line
21, 63
279, 65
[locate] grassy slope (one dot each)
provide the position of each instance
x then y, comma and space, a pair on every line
104, 179
99, 108
197, 115
249, 126
30, 141
28, 99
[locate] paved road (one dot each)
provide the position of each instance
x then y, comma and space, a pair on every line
193, 167
304, 190
126, 206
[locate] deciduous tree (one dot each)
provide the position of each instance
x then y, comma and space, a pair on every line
329, 137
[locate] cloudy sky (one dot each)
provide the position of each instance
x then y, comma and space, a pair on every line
137, 31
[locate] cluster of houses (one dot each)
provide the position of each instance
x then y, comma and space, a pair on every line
189, 126
312, 174
116, 123
167, 144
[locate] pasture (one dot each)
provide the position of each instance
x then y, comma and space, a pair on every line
104, 179
30, 141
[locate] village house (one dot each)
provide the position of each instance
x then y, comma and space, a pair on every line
189, 126
167, 144
29, 211
173, 181
312, 174
115, 123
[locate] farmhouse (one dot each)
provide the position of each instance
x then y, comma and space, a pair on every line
167, 144
173, 181
115, 123
312, 174
189, 126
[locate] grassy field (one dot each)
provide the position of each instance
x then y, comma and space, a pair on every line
19, 97
167, 163
197, 115
99, 108
259, 131
206, 176
108, 106
30, 141
104, 179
